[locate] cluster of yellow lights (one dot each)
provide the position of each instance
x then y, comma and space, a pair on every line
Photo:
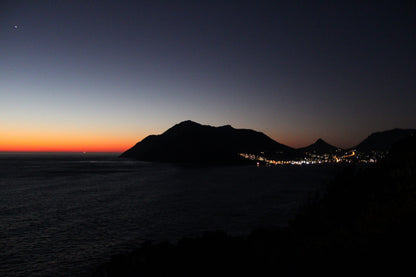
315, 160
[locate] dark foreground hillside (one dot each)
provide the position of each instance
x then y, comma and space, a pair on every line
362, 225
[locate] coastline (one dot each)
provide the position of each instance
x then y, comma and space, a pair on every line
362, 223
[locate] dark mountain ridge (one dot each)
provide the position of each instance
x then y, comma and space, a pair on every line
382, 141
189, 141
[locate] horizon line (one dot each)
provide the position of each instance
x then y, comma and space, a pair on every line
63, 152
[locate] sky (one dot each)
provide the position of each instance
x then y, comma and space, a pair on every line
102, 75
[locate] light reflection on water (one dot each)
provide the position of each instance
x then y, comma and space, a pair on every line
64, 215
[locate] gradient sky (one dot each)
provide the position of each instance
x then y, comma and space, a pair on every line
101, 75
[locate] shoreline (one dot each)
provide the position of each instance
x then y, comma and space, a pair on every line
363, 223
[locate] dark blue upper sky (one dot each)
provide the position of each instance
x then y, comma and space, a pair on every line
296, 70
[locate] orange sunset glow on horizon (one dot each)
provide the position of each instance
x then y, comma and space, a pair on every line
63, 146
61, 143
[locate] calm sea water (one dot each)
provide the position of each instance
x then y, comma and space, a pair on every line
63, 215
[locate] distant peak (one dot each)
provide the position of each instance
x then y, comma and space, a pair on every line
184, 125
319, 146
188, 122
320, 142
227, 126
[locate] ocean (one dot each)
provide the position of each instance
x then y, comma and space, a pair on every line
65, 214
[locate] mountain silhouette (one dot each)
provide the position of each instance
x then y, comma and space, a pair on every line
382, 141
319, 147
189, 141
